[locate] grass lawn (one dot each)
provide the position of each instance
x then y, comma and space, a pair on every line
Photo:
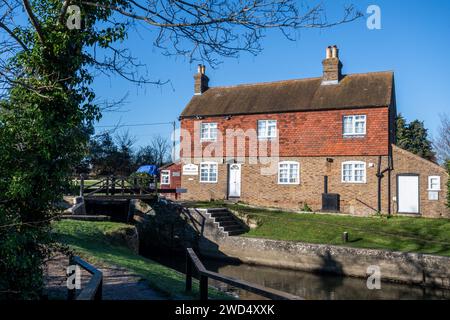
87, 183
90, 240
396, 233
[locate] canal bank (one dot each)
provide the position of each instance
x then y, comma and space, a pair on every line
308, 285
402, 267
309, 271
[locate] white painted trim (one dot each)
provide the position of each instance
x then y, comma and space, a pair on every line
429, 183
209, 139
209, 163
267, 121
298, 173
161, 180
353, 125
353, 172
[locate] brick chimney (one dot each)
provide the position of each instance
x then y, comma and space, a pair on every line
201, 80
332, 67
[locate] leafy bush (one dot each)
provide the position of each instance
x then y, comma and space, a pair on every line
306, 208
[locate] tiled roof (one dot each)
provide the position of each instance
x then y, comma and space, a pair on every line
353, 91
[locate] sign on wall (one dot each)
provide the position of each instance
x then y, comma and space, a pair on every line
190, 170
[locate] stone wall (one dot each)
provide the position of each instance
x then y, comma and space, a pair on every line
394, 266
401, 267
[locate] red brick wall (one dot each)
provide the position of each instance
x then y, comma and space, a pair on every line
310, 133
408, 163
175, 181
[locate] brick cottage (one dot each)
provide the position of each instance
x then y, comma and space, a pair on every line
328, 143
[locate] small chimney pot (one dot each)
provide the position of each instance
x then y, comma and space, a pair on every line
332, 67
328, 52
201, 80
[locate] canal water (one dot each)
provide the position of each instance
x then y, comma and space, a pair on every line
303, 284
307, 285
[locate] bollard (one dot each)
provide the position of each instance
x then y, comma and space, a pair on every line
345, 237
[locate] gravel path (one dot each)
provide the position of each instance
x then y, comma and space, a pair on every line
118, 283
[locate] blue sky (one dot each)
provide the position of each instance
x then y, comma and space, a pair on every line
414, 42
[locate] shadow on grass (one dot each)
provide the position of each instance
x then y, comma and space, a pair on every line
95, 247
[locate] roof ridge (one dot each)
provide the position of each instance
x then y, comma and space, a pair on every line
264, 83
295, 80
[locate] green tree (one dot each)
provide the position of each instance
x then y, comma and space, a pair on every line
47, 103
448, 183
44, 116
413, 137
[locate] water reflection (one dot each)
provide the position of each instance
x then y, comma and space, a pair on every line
308, 285
318, 286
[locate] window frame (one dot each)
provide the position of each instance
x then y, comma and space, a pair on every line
353, 163
354, 133
429, 183
164, 173
289, 172
267, 121
209, 137
209, 164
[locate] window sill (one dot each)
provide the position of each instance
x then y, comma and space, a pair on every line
266, 139
354, 136
208, 182
353, 182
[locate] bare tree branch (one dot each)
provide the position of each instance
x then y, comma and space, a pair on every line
13, 35
33, 20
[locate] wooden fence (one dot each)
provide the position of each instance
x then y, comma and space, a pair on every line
122, 187
192, 261
94, 288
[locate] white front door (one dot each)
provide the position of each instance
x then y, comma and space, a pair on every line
408, 194
234, 184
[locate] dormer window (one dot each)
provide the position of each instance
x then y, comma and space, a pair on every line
354, 125
208, 132
267, 129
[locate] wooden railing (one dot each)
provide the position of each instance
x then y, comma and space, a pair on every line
192, 261
94, 288
198, 225
125, 187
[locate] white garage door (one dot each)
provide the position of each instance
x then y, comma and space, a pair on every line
408, 194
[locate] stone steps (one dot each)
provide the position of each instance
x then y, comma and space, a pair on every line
226, 221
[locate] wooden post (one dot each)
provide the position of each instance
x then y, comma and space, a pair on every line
99, 293
113, 185
71, 293
203, 287
188, 273
122, 185
81, 185
107, 185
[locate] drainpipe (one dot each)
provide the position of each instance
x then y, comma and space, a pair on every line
380, 176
